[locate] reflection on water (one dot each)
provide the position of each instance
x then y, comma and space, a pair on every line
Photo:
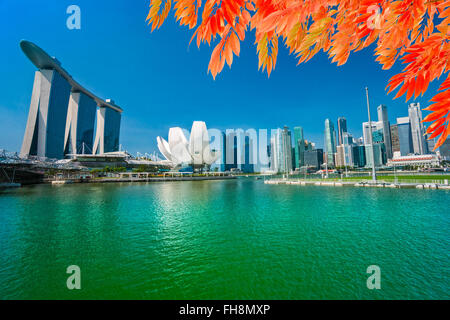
222, 240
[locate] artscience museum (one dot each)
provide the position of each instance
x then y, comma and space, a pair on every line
195, 152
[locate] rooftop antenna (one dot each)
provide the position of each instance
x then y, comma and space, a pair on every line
374, 174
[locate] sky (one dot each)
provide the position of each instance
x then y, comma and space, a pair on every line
161, 82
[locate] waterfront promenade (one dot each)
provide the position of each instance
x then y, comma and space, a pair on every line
363, 183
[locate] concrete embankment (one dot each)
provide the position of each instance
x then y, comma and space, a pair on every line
379, 184
149, 179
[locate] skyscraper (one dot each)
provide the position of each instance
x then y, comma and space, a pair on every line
330, 142
44, 133
247, 166
366, 131
394, 139
359, 156
384, 120
62, 113
342, 128
404, 136
80, 124
417, 130
444, 149
299, 147
281, 151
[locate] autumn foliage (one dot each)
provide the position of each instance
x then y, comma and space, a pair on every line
415, 31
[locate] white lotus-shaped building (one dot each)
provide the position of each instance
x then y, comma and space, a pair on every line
196, 152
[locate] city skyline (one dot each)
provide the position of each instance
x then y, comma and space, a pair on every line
307, 94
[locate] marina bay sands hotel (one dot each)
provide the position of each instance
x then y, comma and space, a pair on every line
63, 114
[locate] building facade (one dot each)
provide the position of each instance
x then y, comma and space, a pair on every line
299, 146
386, 130
342, 128
314, 158
394, 139
404, 136
330, 142
46, 124
420, 145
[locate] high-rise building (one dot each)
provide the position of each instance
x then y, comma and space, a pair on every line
359, 156
394, 139
342, 128
384, 120
347, 143
366, 136
44, 133
314, 158
281, 151
404, 136
340, 154
230, 156
247, 166
430, 144
417, 130
299, 146
62, 113
330, 142
374, 153
444, 149
79, 132
108, 130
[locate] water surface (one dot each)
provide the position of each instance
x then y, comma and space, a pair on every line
236, 239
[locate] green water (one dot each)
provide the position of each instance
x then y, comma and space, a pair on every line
236, 239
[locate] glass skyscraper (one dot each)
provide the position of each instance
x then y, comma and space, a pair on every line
384, 120
330, 142
299, 146
342, 128
404, 136
281, 151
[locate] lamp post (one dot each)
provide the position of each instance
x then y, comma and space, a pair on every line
374, 174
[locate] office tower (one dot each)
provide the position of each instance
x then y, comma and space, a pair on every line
347, 143
44, 133
330, 142
299, 147
394, 139
340, 162
374, 153
359, 156
404, 136
417, 130
385, 126
378, 136
342, 128
80, 122
366, 131
223, 152
360, 141
430, 143
281, 151
286, 165
247, 166
230, 148
444, 150
314, 158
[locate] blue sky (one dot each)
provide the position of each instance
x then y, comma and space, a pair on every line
162, 82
